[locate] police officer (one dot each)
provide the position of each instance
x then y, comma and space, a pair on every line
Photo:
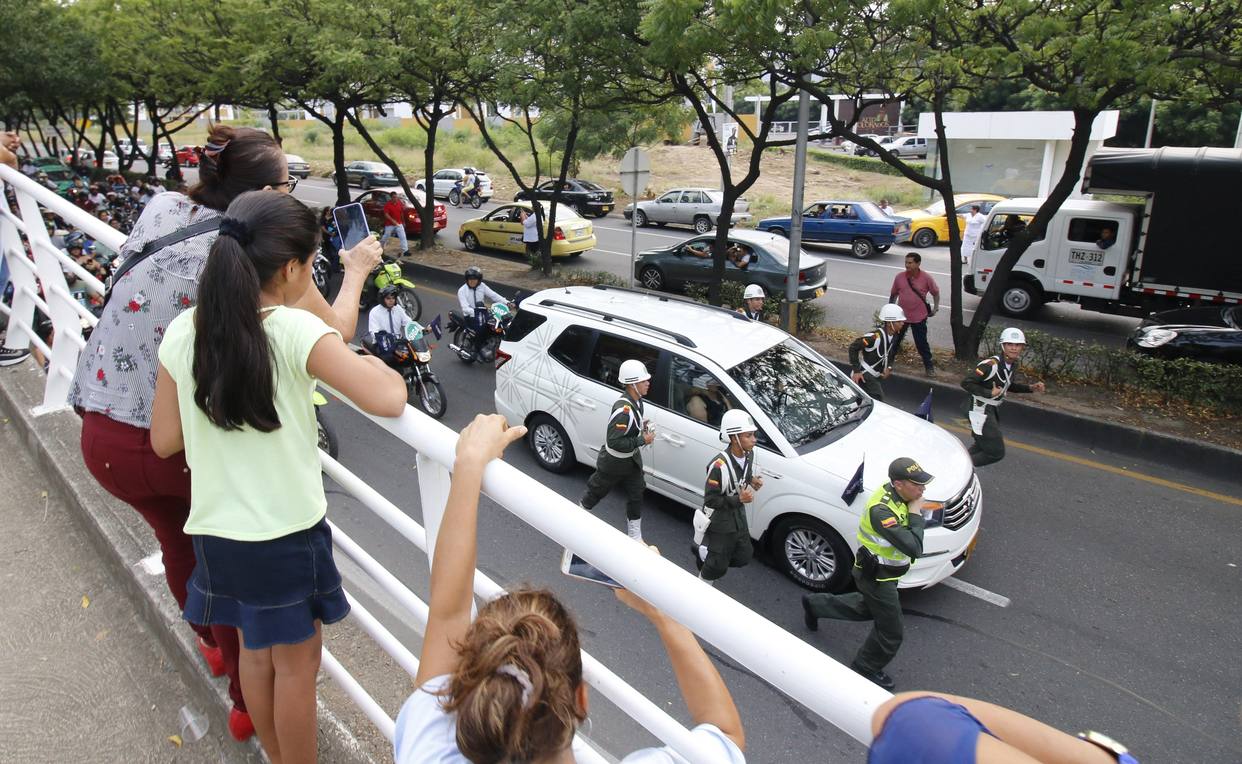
992, 379
870, 359
721, 535
890, 533
752, 302
620, 460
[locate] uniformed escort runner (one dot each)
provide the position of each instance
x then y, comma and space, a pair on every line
890, 533
870, 354
988, 385
752, 303
620, 460
721, 534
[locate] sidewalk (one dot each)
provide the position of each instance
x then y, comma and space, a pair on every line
80, 676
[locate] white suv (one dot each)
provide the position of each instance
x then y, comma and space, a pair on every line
556, 373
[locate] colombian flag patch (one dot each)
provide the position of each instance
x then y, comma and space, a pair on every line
713, 482
888, 522
622, 426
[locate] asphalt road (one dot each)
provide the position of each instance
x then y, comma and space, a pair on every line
1124, 607
856, 288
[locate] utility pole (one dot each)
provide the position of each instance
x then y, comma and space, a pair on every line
1151, 124
789, 310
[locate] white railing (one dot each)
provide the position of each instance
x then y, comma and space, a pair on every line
802, 672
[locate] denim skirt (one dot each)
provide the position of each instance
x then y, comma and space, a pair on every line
273, 590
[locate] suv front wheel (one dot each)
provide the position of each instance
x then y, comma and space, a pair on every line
811, 553
550, 443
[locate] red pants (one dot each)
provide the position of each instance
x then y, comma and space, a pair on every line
120, 457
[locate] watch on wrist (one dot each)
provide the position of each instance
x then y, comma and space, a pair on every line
1118, 751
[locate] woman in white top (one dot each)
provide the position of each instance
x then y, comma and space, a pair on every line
508, 687
974, 229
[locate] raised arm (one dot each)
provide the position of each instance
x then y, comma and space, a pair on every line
342, 314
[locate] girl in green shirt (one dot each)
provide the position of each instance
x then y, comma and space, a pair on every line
234, 391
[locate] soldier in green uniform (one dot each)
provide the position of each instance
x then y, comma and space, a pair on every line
620, 460
992, 379
721, 534
890, 534
870, 354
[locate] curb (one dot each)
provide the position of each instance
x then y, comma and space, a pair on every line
1094, 434
123, 540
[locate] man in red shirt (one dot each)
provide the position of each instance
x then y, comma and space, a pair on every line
394, 223
910, 290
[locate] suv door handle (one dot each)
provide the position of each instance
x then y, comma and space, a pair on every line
769, 474
583, 402
676, 441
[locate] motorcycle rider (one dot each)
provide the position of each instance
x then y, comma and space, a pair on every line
386, 318
471, 298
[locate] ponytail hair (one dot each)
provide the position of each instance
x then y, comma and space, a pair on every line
234, 377
515, 690
234, 161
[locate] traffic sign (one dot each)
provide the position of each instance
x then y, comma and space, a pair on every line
635, 172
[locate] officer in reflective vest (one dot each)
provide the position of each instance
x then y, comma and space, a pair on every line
721, 534
752, 302
890, 537
870, 354
991, 380
620, 461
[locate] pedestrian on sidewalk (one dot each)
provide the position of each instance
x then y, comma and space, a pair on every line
620, 460
992, 379
235, 379
910, 291
507, 686
115, 379
890, 537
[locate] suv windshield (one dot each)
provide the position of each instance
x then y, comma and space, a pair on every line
803, 397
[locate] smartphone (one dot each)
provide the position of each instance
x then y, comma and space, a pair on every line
574, 566
351, 224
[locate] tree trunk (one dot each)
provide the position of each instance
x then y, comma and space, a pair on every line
545, 241
275, 122
427, 211
386, 159
156, 123
338, 156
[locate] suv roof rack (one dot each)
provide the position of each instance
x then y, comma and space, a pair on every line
671, 298
680, 339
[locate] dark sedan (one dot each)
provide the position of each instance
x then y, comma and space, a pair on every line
753, 257
1205, 333
588, 199
368, 174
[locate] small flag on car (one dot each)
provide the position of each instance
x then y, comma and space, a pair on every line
855, 486
434, 326
924, 410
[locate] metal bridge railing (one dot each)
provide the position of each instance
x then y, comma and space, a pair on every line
822, 685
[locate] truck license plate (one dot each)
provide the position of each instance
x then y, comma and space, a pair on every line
1086, 257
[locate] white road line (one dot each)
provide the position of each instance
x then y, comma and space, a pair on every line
646, 232
975, 591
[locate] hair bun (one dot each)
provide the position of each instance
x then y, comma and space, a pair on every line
237, 230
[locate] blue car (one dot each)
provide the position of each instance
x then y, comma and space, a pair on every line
860, 224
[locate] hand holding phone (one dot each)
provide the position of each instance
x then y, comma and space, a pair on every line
575, 567
351, 224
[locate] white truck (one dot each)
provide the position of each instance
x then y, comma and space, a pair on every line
1174, 250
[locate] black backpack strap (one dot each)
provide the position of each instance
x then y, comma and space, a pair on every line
155, 245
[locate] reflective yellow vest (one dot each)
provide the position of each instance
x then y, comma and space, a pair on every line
888, 554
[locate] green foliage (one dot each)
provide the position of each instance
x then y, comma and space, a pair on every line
810, 315
312, 135
849, 161
578, 277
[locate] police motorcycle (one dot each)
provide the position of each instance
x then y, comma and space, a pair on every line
410, 355
389, 273
493, 323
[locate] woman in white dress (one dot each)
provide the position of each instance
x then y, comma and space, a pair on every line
974, 230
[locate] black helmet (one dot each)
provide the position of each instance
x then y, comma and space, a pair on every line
388, 291
474, 272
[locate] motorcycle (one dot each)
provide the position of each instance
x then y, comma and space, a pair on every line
327, 436
386, 273
494, 321
411, 357
320, 271
457, 196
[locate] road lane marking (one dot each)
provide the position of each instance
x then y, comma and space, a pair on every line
976, 591
645, 232
1173, 485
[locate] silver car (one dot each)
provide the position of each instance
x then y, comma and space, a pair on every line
444, 183
696, 207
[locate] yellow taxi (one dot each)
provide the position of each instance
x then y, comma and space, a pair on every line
931, 225
501, 229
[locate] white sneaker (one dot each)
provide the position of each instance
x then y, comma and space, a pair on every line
634, 528
9, 356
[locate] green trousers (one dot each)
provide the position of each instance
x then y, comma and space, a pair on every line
989, 447
871, 386
731, 549
611, 472
875, 601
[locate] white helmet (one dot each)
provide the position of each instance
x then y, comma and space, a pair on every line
752, 292
735, 422
1013, 335
892, 312
632, 372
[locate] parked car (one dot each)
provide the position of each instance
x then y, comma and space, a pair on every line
863, 151
368, 174
298, 166
444, 183
86, 157
1204, 333
690, 262
931, 224
906, 146
187, 156
164, 153
860, 224
556, 373
587, 198
697, 207
133, 149
501, 229
373, 205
